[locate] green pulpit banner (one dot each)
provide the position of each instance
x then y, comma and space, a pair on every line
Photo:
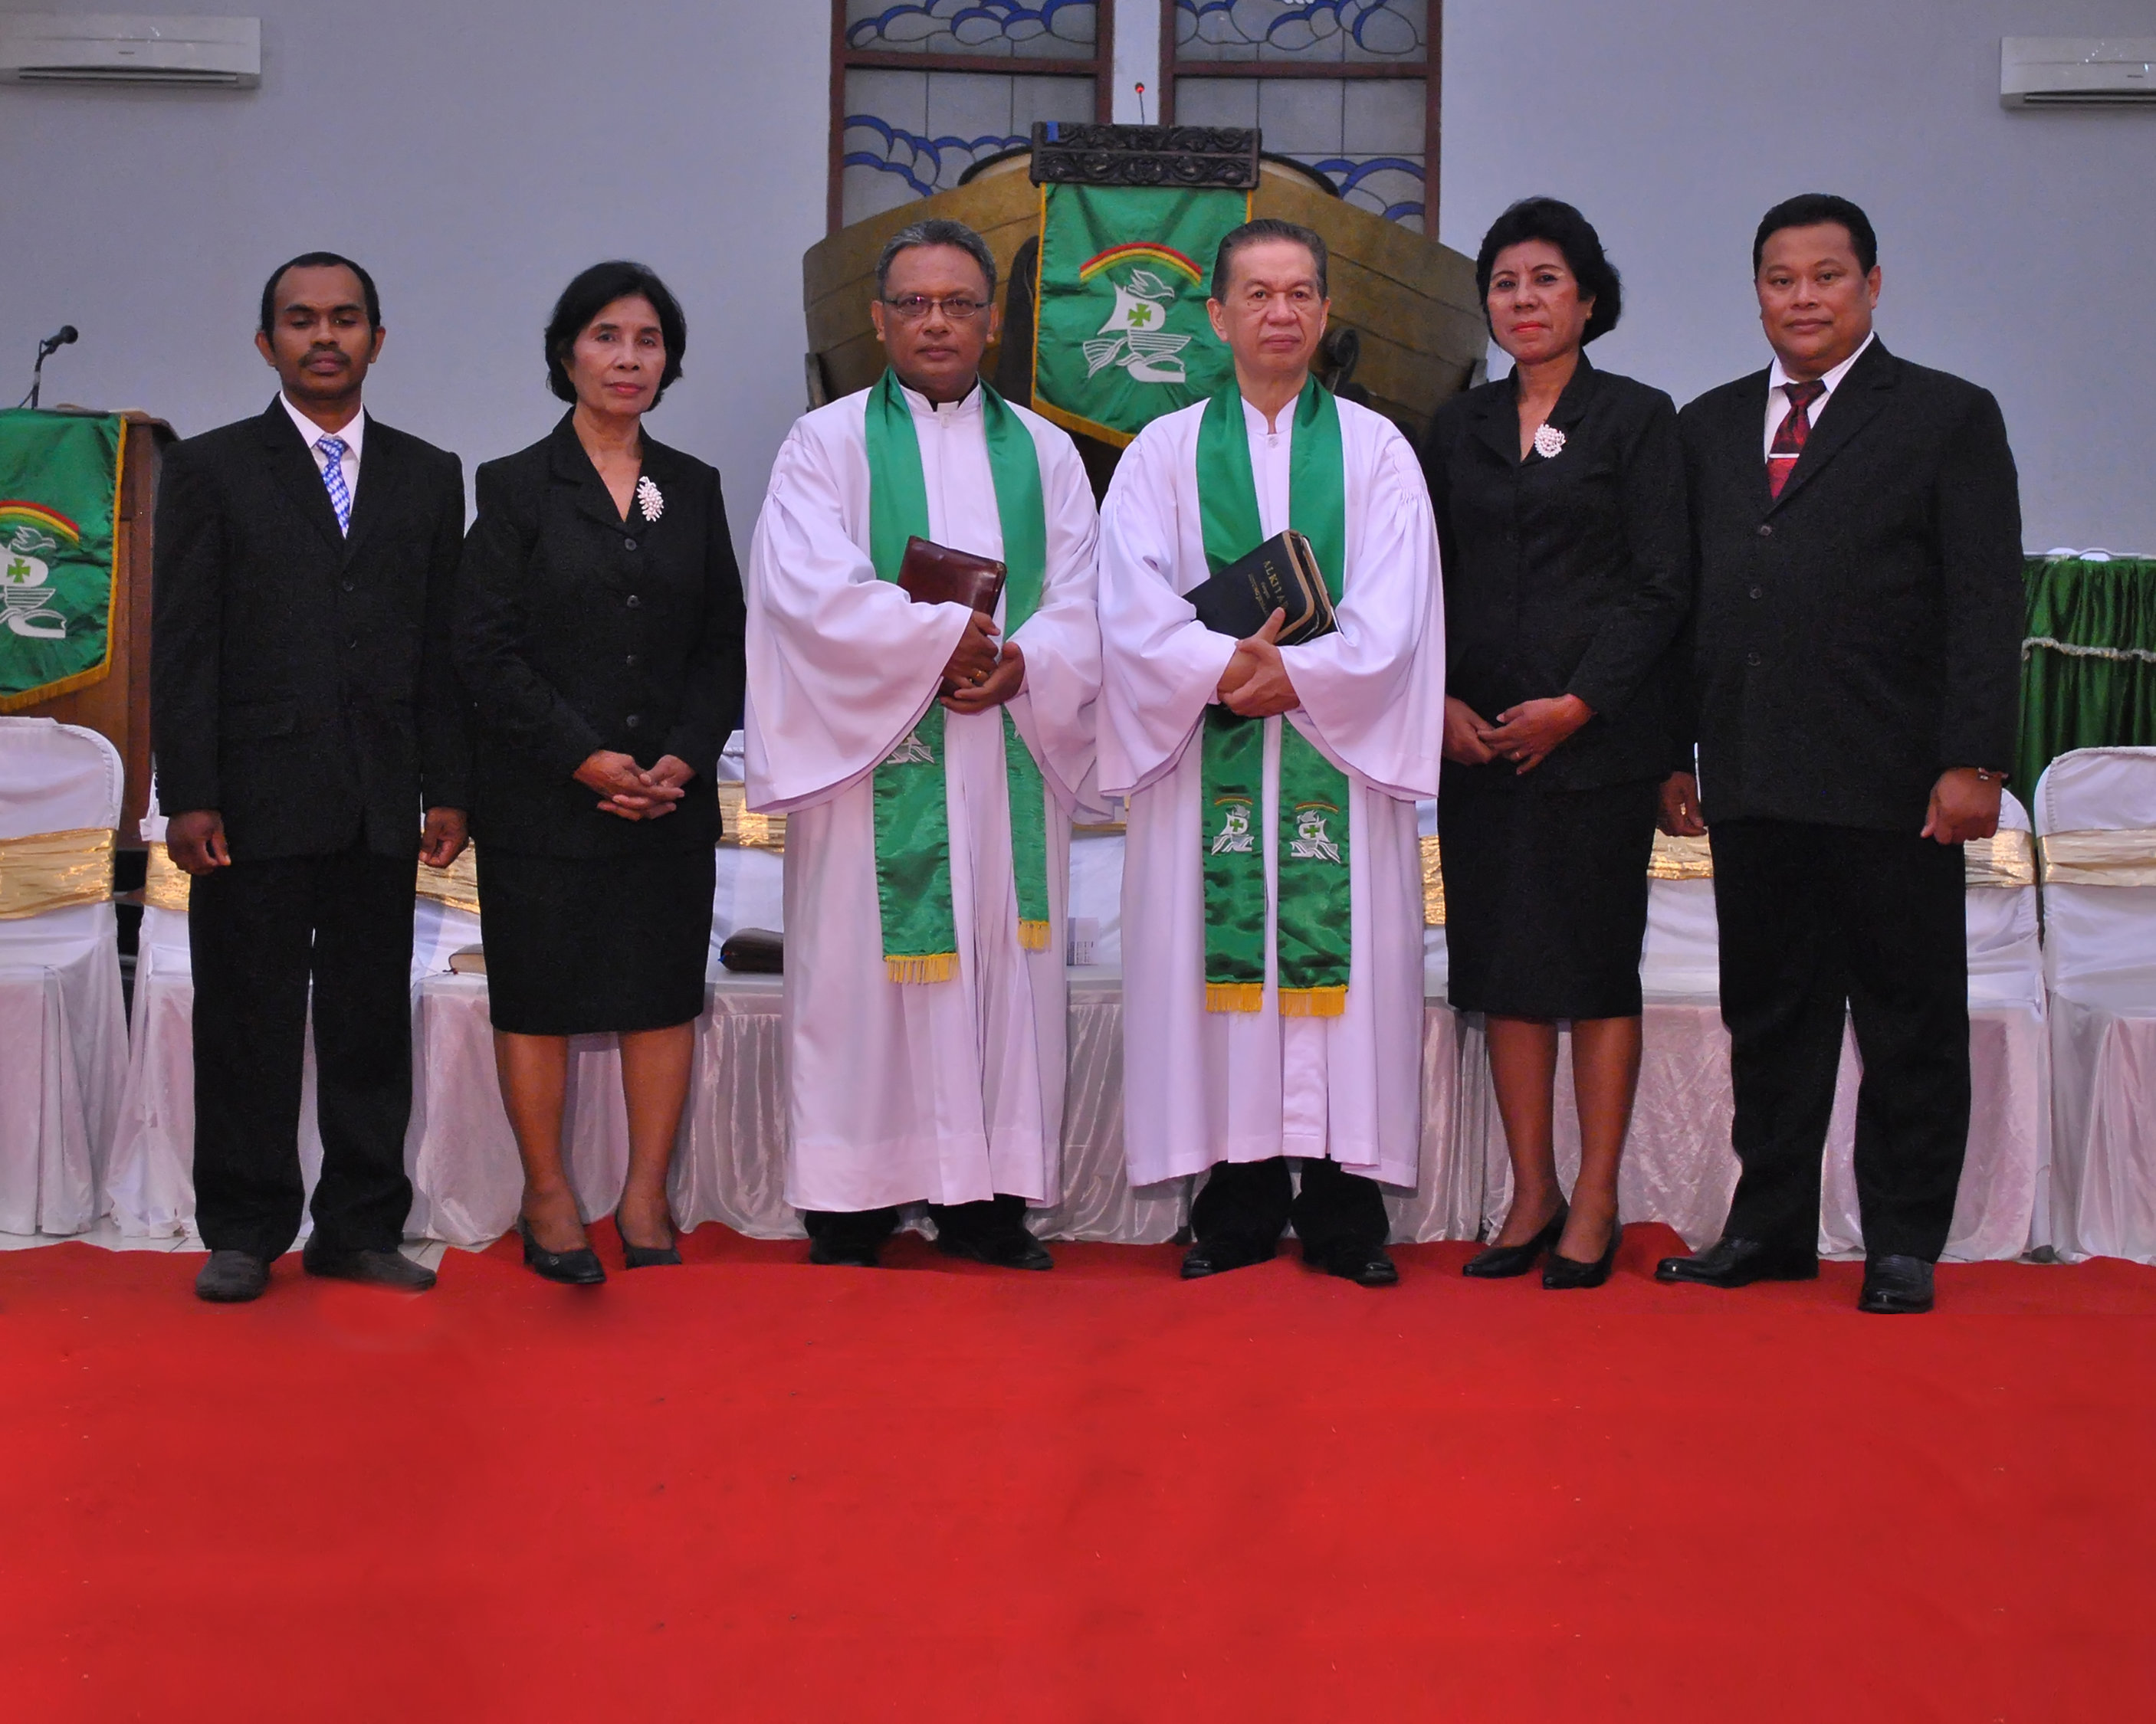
1120, 333
60, 507
2088, 659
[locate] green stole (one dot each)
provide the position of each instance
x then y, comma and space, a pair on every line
912, 802
1312, 915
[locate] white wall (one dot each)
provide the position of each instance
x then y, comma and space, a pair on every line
473, 155
2018, 249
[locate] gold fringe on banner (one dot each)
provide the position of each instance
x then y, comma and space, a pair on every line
1680, 859
2007, 858
1313, 1001
2124, 857
1433, 885
1032, 936
456, 885
1235, 996
166, 884
51, 871
936, 966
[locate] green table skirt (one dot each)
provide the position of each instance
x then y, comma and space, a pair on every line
2088, 661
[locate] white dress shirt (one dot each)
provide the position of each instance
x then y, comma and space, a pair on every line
1778, 402
352, 431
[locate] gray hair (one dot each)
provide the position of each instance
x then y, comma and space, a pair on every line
936, 230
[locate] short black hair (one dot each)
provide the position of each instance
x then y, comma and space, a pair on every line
1256, 232
590, 294
1556, 222
936, 230
320, 260
1808, 209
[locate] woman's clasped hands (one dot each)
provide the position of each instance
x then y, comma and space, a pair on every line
631, 791
1525, 734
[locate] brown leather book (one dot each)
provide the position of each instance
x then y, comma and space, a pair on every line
936, 574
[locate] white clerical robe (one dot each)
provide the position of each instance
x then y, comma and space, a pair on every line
1199, 1086
950, 1091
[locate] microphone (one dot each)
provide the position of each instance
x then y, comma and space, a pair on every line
53, 343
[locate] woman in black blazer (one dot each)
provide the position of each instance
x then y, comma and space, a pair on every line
599, 637
1559, 495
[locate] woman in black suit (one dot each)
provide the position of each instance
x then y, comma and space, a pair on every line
1559, 495
599, 637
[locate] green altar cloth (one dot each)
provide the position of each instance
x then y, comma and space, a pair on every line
2088, 661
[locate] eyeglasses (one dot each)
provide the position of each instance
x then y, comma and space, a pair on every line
959, 308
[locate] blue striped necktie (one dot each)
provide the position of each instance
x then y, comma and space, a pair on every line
333, 449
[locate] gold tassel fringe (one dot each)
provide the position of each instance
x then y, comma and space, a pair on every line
1313, 1001
934, 967
1235, 996
1033, 935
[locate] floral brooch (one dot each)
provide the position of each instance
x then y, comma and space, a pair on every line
1549, 442
655, 505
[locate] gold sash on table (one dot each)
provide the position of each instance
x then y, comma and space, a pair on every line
456, 885
51, 871
2124, 857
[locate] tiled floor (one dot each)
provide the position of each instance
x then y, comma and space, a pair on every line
106, 1235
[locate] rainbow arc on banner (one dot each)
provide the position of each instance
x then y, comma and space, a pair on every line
15, 512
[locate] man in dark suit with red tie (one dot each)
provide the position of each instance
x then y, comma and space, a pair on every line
1857, 628
310, 741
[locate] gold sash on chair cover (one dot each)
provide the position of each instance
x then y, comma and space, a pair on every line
2007, 858
51, 871
1433, 884
165, 883
744, 829
1680, 859
2124, 857
456, 885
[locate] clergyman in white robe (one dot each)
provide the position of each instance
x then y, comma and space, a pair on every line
950, 1092
1201, 1087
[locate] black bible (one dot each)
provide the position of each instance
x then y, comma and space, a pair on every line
1281, 575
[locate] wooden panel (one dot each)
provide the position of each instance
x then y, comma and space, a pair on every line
117, 706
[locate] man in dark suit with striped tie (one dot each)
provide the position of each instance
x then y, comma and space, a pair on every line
1857, 628
310, 741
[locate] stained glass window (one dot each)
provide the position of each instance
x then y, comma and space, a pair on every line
921, 91
1344, 85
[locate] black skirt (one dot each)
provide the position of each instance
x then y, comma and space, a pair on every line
1545, 893
579, 945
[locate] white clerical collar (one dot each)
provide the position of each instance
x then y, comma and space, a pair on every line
967, 404
1285, 417
1776, 377
353, 431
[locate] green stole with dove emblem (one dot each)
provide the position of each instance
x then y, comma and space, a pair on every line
1312, 927
912, 802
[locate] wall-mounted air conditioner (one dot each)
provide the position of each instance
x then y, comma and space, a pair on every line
112, 47
2076, 71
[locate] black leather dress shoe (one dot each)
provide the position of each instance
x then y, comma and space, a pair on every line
580, 1268
1365, 1265
1738, 1263
842, 1256
1561, 1272
232, 1278
1216, 1257
1501, 1263
374, 1269
1896, 1286
634, 1256
1017, 1249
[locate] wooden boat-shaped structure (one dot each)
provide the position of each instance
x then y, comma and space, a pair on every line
1407, 330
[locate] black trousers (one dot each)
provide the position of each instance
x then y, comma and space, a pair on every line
993, 1218
258, 933
1251, 1203
1820, 921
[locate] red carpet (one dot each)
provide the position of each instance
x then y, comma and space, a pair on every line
751, 1490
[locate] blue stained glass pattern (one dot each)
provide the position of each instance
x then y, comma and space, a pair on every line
909, 135
1050, 28
926, 165
1369, 182
1394, 30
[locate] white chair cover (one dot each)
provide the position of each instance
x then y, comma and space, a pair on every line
63, 1023
2099, 959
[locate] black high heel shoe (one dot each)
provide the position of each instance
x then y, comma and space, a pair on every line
580, 1268
646, 1256
1561, 1272
1501, 1263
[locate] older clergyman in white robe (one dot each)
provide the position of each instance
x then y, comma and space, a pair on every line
1272, 886
928, 777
